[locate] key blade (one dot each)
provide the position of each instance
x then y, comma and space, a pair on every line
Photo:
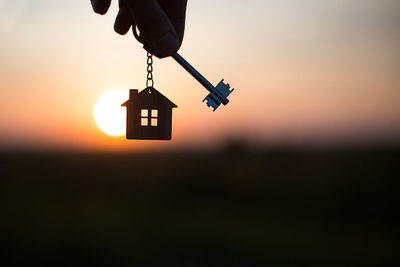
214, 100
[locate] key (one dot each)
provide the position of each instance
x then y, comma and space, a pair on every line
218, 94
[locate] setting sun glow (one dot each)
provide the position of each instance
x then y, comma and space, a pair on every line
318, 72
110, 117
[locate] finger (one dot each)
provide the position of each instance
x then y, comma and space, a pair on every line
176, 12
156, 29
100, 6
123, 21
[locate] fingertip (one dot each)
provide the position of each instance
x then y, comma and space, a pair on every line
100, 6
121, 30
123, 21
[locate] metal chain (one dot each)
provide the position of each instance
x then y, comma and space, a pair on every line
149, 81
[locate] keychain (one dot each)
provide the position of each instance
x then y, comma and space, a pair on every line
149, 113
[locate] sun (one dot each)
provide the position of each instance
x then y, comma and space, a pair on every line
110, 117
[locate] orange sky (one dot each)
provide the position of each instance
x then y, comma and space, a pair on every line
316, 71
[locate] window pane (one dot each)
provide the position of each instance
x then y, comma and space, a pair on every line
144, 122
154, 112
145, 113
154, 122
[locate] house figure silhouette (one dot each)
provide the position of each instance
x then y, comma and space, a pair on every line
148, 115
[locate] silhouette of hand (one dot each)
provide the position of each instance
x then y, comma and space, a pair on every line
161, 22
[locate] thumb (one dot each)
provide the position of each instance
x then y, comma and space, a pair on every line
155, 28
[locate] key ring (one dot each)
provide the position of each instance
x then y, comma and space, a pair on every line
136, 34
139, 38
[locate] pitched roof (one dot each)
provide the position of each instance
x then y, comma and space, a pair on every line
154, 92
158, 94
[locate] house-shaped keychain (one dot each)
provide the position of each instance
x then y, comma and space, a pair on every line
149, 115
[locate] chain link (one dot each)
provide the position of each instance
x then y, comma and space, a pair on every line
149, 81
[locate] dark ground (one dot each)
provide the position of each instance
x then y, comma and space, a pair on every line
236, 207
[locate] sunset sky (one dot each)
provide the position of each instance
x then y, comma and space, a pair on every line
313, 71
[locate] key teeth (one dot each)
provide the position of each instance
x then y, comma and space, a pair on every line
223, 88
213, 100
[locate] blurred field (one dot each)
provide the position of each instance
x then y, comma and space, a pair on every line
234, 207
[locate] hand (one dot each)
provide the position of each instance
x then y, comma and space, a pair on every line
161, 22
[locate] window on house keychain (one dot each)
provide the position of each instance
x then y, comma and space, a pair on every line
149, 113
